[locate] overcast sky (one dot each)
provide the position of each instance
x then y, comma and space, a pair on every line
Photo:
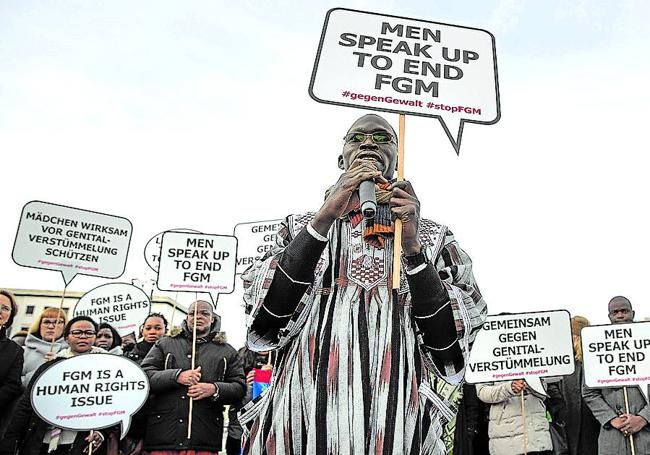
196, 114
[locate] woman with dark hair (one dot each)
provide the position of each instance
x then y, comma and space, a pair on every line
44, 341
28, 434
12, 360
108, 339
152, 329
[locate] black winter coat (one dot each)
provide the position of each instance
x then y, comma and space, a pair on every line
11, 366
139, 351
168, 411
26, 430
582, 428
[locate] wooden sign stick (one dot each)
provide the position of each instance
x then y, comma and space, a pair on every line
189, 420
58, 316
627, 411
90, 444
523, 416
397, 248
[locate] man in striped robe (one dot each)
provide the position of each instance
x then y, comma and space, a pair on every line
354, 357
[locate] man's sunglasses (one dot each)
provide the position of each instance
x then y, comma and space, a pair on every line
378, 137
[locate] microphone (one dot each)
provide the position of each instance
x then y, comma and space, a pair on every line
367, 198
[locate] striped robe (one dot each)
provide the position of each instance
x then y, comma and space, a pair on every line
352, 371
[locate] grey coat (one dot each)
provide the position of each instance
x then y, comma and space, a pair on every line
506, 428
34, 354
606, 404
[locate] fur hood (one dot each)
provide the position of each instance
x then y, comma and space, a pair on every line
214, 334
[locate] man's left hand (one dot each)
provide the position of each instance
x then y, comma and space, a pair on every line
406, 206
633, 424
201, 390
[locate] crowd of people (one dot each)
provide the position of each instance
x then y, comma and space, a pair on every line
216, 380
571, 419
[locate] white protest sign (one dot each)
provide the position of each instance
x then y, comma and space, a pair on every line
526, 346
122, 305
152, 248
71, 241
617, 355
254, 240
409, 66
87, 392
197, 263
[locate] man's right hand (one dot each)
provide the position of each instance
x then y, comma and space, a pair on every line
189, 377
618, 422
339, 197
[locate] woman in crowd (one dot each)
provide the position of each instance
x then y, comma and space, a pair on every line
506, 425
582, 428
108, 339
152, 330
38, 347
28, 434
11, 359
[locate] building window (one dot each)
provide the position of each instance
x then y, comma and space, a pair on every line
29, 309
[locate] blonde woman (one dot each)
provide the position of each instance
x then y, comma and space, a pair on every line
47, 327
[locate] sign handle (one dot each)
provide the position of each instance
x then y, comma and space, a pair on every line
58, 316
397, 249
627, 411
90, 444
523, 416
189, 420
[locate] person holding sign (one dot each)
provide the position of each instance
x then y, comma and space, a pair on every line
609, 404
44, 341
12, 359
354, 355
217, 380
506, 430
28, 434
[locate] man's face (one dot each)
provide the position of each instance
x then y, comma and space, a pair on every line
620, 311
203, 317
384, 154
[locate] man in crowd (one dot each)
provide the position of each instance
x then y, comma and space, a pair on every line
608, 405
354, 356
216, 380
